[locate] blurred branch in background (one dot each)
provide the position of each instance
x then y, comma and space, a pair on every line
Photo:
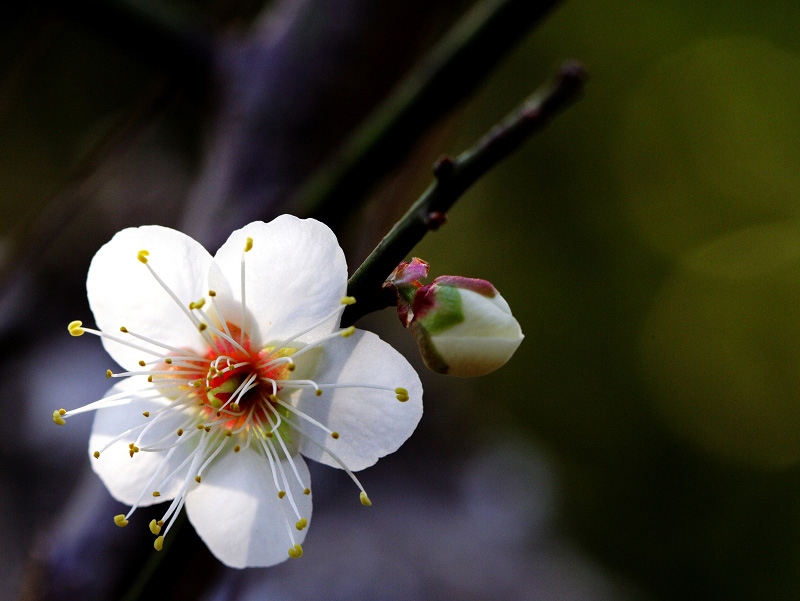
452, 178
445, 78
291, 91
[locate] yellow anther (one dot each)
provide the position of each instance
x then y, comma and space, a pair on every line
198, 479
142, 363
248, 244
348, 300
296, 551
180, 431
120, 520
365, 499
318, 392
234, 406
62, 412
216, 403
306, 491
402, 398
212, 293
228, 433
334, 435
96, 454
168, 361
401, 391
302, 523
236, 449
199, 426
197, 304
291, 366
207, 428
123, 329
202, 326
269, 434
156, 493
75, 328
149, 378
109, 373
142, 256
347, 332
146, 413
159, 543
281, 494
155, 528
59, 421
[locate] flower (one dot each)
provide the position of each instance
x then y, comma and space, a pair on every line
463, 326
236, 367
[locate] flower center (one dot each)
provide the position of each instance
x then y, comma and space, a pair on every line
241, 387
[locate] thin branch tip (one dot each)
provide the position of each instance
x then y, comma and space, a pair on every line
453, 177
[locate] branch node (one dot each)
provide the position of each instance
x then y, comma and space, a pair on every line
443, 167
435, 219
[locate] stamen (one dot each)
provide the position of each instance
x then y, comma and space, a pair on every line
211, 457
296, 551
301, 414
287, 492
58, 416
348, 300
118, 339
248, 245
114, 400
75, 328
217, 333
183, 353
339, 310
343, 333
177, 301
283, 446
213, 295
325, 449
120, 520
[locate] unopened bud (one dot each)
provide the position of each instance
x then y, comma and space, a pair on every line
463, 327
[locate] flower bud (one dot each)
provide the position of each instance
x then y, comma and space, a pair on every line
463, 327
405, 281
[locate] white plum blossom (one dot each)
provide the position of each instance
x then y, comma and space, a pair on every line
235, 367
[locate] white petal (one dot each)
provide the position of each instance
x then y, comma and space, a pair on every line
371, 423
126, 476
237, 512
122, 291
295, 275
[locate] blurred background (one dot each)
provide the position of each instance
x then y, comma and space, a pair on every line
643, 443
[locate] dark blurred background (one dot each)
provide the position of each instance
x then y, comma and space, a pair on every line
643, 443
